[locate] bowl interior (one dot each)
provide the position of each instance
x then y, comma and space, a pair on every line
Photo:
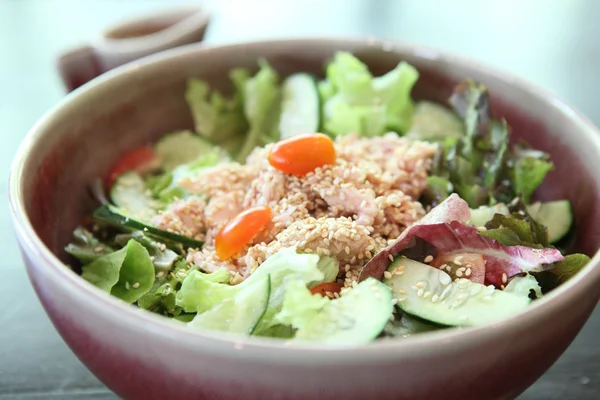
141, 102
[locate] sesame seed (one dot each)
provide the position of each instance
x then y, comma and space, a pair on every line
481, 228
391, 258
420, 285
127, 286
504, 278
457, 260
347, 267
419, 292
502, 287
468, 272
459, 272
400, 291
160, 274
387, 275
394, 302
426, 294
98, 249
428, 259
401, 299
136, 285
434, 298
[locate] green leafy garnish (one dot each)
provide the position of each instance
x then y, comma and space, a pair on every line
85, 247
517, 229
262, 98
357, 102
216, 117
568, 267
481, 166
127, 273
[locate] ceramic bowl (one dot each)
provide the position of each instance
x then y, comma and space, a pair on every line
140, 355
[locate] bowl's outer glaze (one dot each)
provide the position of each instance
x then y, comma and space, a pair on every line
142, 356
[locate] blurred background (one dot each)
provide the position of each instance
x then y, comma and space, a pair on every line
554, 43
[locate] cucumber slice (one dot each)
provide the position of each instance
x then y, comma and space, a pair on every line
180, 148
430, 294
129, 193
433, 122
357, 317
557, 216
240, 314
119, 217
482, 215
300, 109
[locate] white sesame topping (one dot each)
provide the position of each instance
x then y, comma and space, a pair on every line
387, 275
160, 274
391, 257
468, 272
504, 278
428, 259
419, 292
394, 302
502, 287
481, 228
426, 294
420, 285
127, 286
98, 249
136, 285
434, 298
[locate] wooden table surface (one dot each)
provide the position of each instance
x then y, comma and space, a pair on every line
555, 43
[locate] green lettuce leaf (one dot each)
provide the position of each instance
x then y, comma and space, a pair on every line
162, 257
356, 102
127, 273
85, 247
262, 100
568, 267
528, 175
300, 307
216, 117
201, 292
481, 166
518, 228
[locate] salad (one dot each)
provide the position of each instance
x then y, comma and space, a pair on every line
336, 210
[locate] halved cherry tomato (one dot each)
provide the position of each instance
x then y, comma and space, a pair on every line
302, 154
138, 160
235, 234
323, 288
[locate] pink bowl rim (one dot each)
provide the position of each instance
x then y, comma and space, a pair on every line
274, 350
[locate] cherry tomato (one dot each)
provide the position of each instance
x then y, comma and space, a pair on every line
323, 288
239, 231
302, 154
137, 160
